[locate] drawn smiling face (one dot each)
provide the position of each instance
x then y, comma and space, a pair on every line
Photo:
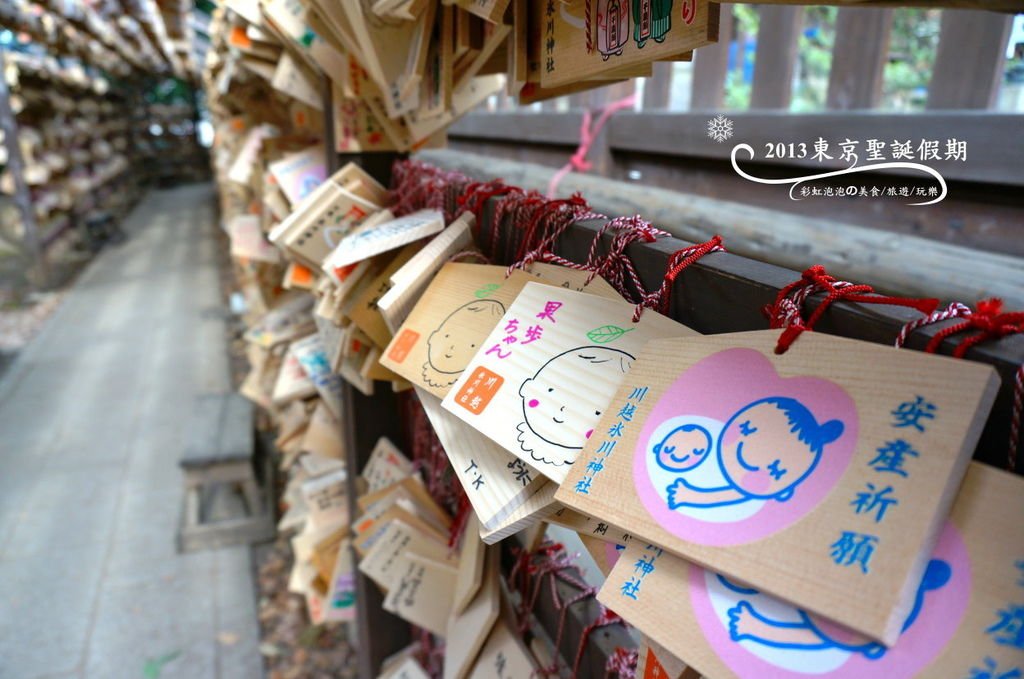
683, 448
771, 445
560, 407
457, 339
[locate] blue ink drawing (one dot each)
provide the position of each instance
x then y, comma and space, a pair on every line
765, 450
747, 623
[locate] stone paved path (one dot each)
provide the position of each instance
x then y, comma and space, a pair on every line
93, 416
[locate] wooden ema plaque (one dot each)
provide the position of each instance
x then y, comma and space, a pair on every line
541, 380
459, 309
965, 619
821, 476
583, 39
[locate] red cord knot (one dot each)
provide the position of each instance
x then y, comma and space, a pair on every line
990, 322
680, 259
787, 312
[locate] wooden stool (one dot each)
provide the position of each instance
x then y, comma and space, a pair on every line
220, 451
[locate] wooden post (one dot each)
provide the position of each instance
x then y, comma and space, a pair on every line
658, 87
711, 66
858, 58
778, 39
970, 59
327, 97
32, 246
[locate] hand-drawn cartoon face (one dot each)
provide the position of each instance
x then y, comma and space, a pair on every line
457, 339
771, 445
683, 448
562, 404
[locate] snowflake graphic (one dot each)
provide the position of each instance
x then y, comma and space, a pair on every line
720, 128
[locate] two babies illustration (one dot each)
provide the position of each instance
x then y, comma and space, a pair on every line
764, 451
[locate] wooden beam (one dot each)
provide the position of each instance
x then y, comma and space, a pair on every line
561, 129
896, 263
859, 56
969, 62
658, 87
993, 136
778, 39
379, 633
711, 66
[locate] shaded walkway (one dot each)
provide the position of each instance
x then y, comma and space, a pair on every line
92, 423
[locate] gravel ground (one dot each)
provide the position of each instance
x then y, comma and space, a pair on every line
20, 324
292, 648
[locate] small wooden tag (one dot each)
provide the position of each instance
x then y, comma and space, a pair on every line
468, 629
619, 35
364, 309
340, 603
495, 481
326, 499
297, 174
423, 595
312, 357
248, 241
964, 620
408, 282
288, 319
386, 465
322, 436
292, 381
456, 313
471, 565
504, 656
384, 563
821, 475
365, 242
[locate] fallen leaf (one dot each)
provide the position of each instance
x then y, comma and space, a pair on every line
153, 666
227, 638
269, 650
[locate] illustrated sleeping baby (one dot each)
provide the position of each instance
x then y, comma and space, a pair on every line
762, 453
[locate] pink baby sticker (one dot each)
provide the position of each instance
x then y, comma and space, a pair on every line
759, 636
733, 444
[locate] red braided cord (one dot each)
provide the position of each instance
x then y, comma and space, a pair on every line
659, 299
1015, 419
954, 310
588, 28
605, 618
786, 313
622, 663
991, 322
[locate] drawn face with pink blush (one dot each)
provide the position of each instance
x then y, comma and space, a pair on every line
560, 405
768, 447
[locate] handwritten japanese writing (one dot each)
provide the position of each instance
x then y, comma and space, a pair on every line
596, 464
643, 567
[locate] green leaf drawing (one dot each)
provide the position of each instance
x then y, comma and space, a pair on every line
486, 291
607, 333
